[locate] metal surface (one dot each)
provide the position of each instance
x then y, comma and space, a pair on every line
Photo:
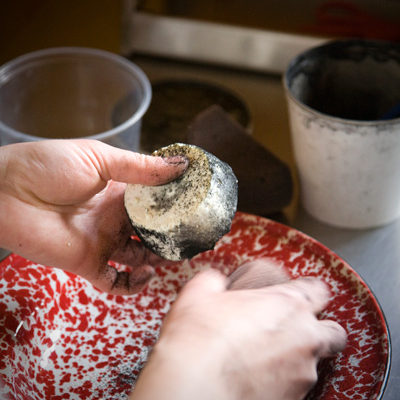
213, 43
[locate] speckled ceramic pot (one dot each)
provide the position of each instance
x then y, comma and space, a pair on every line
344, 109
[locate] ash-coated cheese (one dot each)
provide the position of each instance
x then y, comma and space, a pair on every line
190, 214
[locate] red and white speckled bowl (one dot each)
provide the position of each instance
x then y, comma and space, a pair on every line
62, 339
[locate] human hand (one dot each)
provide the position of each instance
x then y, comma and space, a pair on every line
241, 344
62, 206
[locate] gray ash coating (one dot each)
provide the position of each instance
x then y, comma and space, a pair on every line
189, 246
211, 199
165, 199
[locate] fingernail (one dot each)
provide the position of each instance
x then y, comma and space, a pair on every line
176, 160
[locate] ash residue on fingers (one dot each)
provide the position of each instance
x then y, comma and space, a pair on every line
116, 282
179, 162
176, 160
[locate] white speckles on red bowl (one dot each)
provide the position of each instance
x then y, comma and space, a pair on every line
60, 338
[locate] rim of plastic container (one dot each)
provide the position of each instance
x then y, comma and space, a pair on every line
10, 66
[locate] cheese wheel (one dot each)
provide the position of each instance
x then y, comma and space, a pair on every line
190, 214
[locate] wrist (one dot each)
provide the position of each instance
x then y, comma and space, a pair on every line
180, 370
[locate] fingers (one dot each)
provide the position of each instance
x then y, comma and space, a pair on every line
116, 282
130, 167
329, 335
257, 274
134, 253
333, 338
136, 256
266, 272
307, 291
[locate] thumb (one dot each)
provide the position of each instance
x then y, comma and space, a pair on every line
130, 167
204, 283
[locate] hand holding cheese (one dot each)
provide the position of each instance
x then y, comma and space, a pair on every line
61, 204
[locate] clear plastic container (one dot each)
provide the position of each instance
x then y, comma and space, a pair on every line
72, 92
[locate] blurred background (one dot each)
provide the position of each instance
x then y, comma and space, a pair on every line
27, 25
242, 46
